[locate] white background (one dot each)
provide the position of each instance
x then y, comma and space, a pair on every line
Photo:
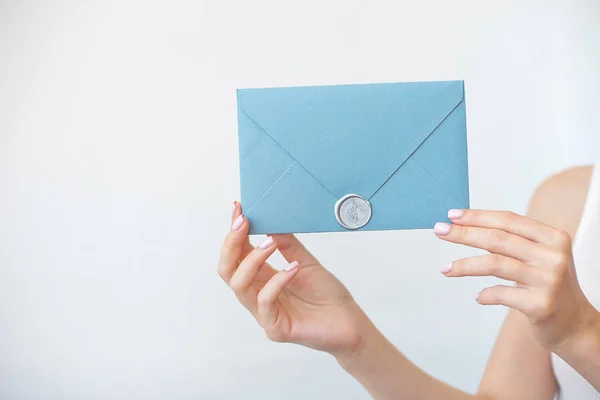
118, 166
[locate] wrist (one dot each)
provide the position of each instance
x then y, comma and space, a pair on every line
368, 334
585, 341
372, 353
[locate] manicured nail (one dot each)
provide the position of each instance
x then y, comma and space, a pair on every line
455, 214
233, 209
441, 228
266, 244
293, 265
237, 224
446, 268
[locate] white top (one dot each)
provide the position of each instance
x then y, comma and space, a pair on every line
573, 386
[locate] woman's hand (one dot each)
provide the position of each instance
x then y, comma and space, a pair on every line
303, 303
537, 257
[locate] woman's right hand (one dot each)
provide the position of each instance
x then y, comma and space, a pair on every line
303, 303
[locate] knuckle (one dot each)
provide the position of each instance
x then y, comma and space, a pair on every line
498, 240
563, 239
226, 248
224, 269
475, 214
285, 242
221, 272
548, 304
463, 232
274, 335
237, 286
499, 236
262, 300
496, 263
508, 218
553, 281
230, 241
560, 260
545, 307
496, 260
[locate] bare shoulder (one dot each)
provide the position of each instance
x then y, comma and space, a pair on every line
560, 199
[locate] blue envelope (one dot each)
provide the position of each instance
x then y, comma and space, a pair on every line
398, 151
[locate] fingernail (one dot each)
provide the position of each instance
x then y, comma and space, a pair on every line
292, 266
237, 223
455, 214
477, 297
446, 268
266, 244
233, 209
441, 228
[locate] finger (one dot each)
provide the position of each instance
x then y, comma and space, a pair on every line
493, 240
244, 275
514, 297
508, 221
494, 265
235, 211
292, 250
268, 310
233, 248
246, 246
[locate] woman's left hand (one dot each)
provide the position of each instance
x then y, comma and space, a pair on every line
537, 257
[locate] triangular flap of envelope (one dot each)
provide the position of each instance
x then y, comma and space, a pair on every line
352, 138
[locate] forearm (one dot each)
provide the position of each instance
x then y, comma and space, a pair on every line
387, 374
582, 351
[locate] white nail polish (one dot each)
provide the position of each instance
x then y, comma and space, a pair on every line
446, 268
237, 224
292, 266
266, 244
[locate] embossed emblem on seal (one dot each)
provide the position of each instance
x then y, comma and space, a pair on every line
352, 211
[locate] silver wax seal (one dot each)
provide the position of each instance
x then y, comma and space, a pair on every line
352, 211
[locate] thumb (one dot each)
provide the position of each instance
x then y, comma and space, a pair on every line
292, 250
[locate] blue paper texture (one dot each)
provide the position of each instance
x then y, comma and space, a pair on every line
402, 146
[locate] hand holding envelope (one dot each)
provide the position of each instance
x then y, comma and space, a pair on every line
368, 157
392, 156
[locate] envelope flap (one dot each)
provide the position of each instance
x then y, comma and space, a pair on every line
352, 138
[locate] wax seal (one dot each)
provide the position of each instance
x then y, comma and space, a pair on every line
352, 211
